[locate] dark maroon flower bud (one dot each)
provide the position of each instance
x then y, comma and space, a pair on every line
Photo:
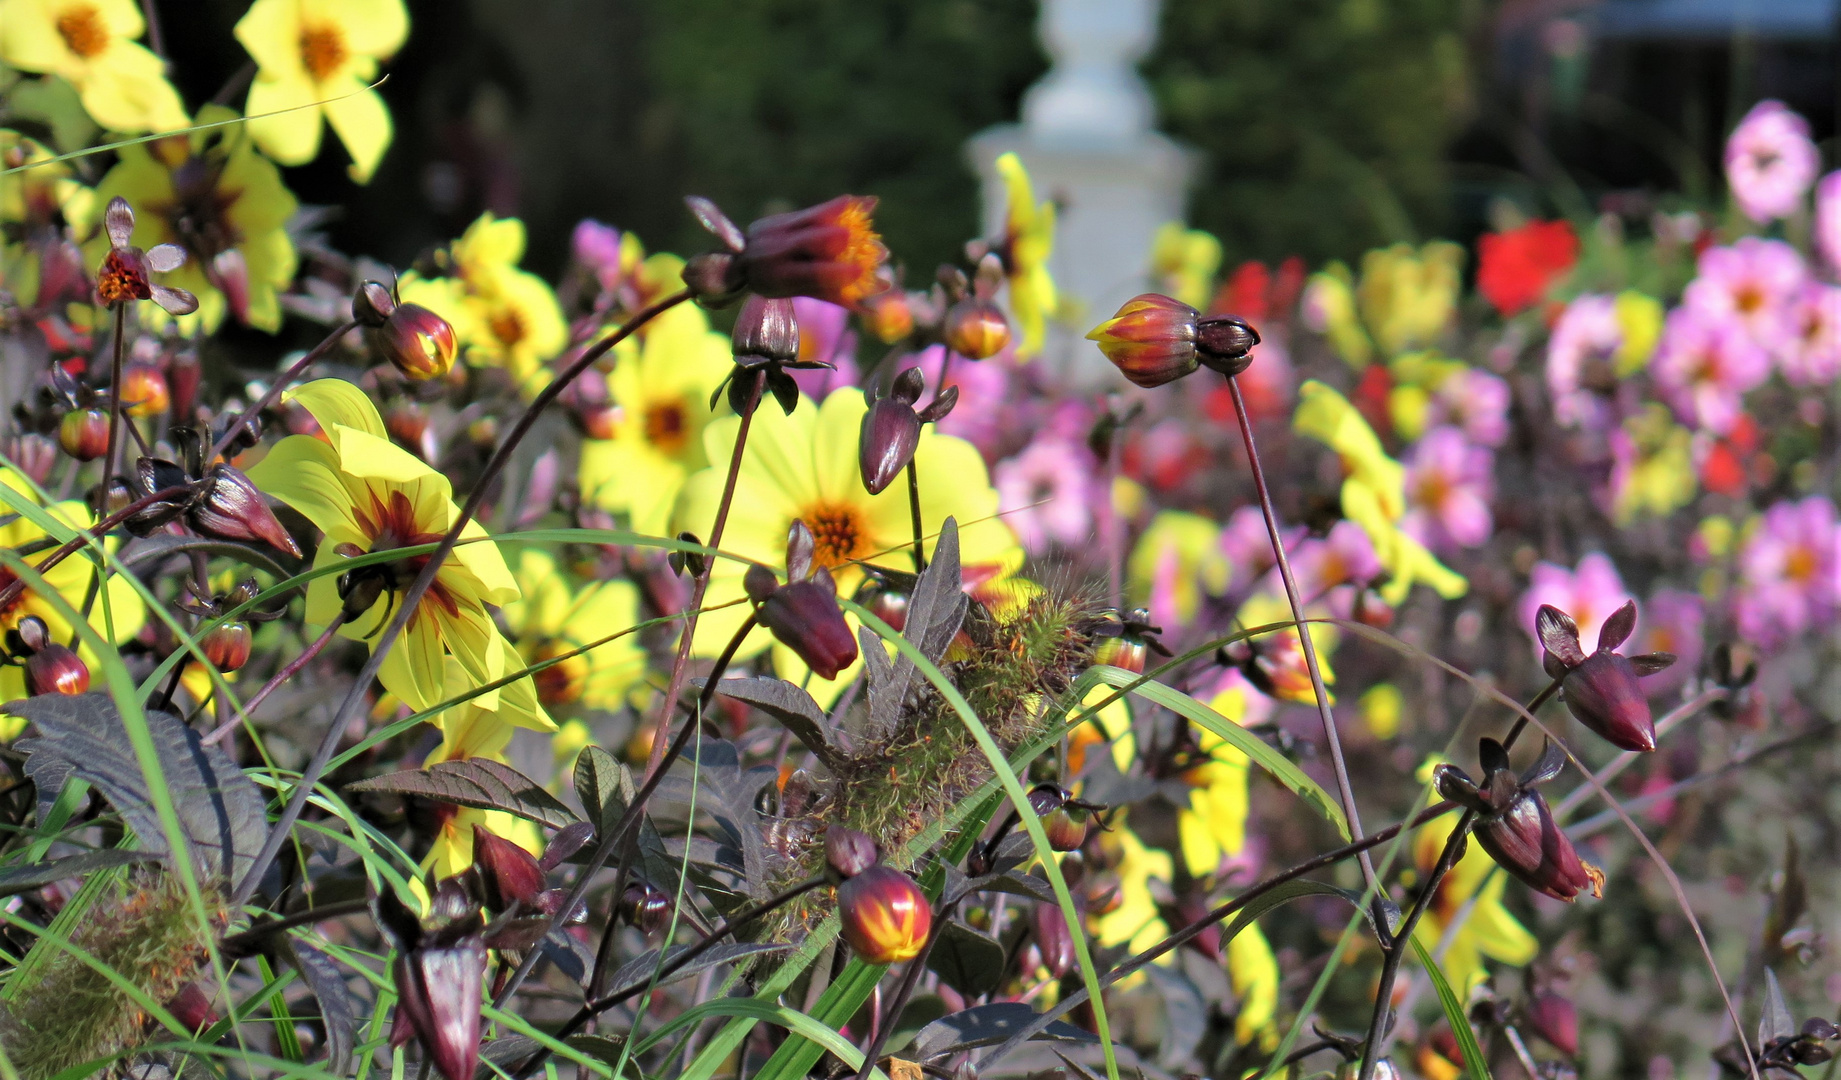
713, 278
1049, 927
886, 917
848, 851
55, 669
1045, 799
1226, 344
886, 441
191, 1006
1515, 826
439, 992
1601, 690
891, 606
372, 305
510, 875
34, 455
417, 342
804, 616
232, 509
976, 328
766, 332
182, 378
84, 433
759, 583
1554, 1018
828, 252
645, 906
227, 646
692, 562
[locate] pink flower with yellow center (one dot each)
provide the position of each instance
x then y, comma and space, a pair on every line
1790, 572
1770, 162
1589, 593
1811, 354
1751, 283
1704, 366
1044, 494
1449, 484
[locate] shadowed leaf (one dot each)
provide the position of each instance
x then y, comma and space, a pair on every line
480, 784
338, 1008
24, 878
988, 1025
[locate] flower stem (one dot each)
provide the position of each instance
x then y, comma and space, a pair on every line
92, 534
412, 598
291, 669
108, 457
1344, 790
274, 391
920, 557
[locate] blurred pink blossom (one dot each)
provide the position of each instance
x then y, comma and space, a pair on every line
1789, 571
1704, 365
1673, 622
1449, 484
1770, 162
1589, 594
984, 385
597, 248
1579, 355
1752, 282
1811, 353
824, 334
1248, 547
1828, 220
1476, 401
1044, 492
1343, 557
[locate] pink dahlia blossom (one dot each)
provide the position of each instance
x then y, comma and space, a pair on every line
825, 335
1449, 484
1828, 220
597, 249
1343, 557
1580, 354
1704, 365
1589, 594
1044, 494
1752, 282
1248, 546
1770, 162
1789, 572
1673, 622
1476, 401
1811, 354
984, 387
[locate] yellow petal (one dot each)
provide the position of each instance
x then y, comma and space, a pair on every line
335, 401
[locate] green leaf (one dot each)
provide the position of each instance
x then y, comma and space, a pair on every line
1474, 1061
1275, 763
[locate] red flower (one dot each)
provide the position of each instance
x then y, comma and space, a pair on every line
1518, 265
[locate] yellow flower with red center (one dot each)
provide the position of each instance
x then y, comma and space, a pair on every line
662, 389
91, 45
1029, 238
804, 467
552, 619
316, 58
368, 495
505, 317
469, 731
213, 195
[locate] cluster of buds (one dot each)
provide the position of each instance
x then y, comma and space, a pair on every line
127, 271
1125, 641
1154, 340
226, 645
439, 967
884, 914
803, 613
50, 668
1601, 690
827, 252
1514, 824
415, 340
891, 428
1066, 820
215, 500
975, 326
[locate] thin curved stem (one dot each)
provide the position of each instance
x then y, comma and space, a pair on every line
288, 671
274, 391
91, 535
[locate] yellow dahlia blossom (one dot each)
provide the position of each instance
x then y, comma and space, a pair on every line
1488, 932
552, 618
505, 317
1029, 238
91, 45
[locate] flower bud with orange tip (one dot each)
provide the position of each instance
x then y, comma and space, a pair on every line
1601, 690
1155, 339
886, 918
888, 315
84, 433
1516, 827
226, 646
509, 875
1126, 641
976, 329
144, 391
416, 341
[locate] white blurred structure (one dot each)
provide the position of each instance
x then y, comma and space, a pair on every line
1087, 141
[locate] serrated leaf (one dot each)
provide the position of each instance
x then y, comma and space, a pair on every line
338, 1008
638, 972
935, 611
25, 878
220, 810
1776, 1021
988, 1025
790, 705
479, 783
966, 960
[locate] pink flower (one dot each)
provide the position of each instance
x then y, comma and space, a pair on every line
1673, 622
1476, 401
1343, 557
1589, 594
1751, 282
1449, 483
1580, 355
1704, 365
983, 387
825, 334
1043, 494
1789, 571
1811, 354
1248, 547
597, 248
1770, 161
1828, 219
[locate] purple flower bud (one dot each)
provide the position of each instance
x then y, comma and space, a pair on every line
35, 455
1151, 340
1601, 690
1528, 843
191, 1006
766, 331
1049, 927
439, 988
511, 875
804, 616
372, 305
848, 851
1555, 1019
886, 442
1225, 344
54, 669
232, 509
645, 906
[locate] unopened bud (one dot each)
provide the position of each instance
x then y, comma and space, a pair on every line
804, 616
886, 442
84, 434
417, 342
1528, 843
232, 509
439, 990
1151, 340
191, 1006
645, 906
766, 331
55, 669
1554, 1018
372, 305
1067, 828
226, 646
848, 851
144, 391
510, 875
1225, 344
34, 455
1049, 927
976, 329
885, 916
1121, 652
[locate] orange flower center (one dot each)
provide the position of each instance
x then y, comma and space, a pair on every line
863, 250
838, 535
1748, 299
665, 426
82, 28
1800, 565
508, 326
322, 51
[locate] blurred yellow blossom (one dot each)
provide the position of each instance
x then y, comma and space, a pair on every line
1029, 237
551, 619
1639, 316
1177, 559
505, 317
1252, 970
91, 44
1381, 706
1184, 262
1488, 930
1329, 309
1652, 472
1136, 921
1408, 296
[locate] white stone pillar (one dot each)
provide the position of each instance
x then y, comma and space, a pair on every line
1087, 141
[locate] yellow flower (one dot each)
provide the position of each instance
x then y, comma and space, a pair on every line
552, 619
1214, 824
804, 467
321, 54
1489, 931
90, 44
1381, 706
1416, 376
472, 732
662, 389
505, 317
1280, 653
1136, 921
366, 495
1252, 970
1175, 561
212, 194
1184, 262
1373, 492
1639, 316
1329, 308
1029, 237
1407, 297
1110, 725
1656, 476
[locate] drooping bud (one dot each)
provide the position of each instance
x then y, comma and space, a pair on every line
416, 341
144, 391
1554, 1018
1067, 827
84, 433
1049, 927
889, 435
439, 991
191, 1006
645, 906
55, 669
886, 918
804, 616
226, 646
372, 305
1528, 843
976, 328
848, 851
766, 331
1601, 690
509, 874
232, 509
828, 252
